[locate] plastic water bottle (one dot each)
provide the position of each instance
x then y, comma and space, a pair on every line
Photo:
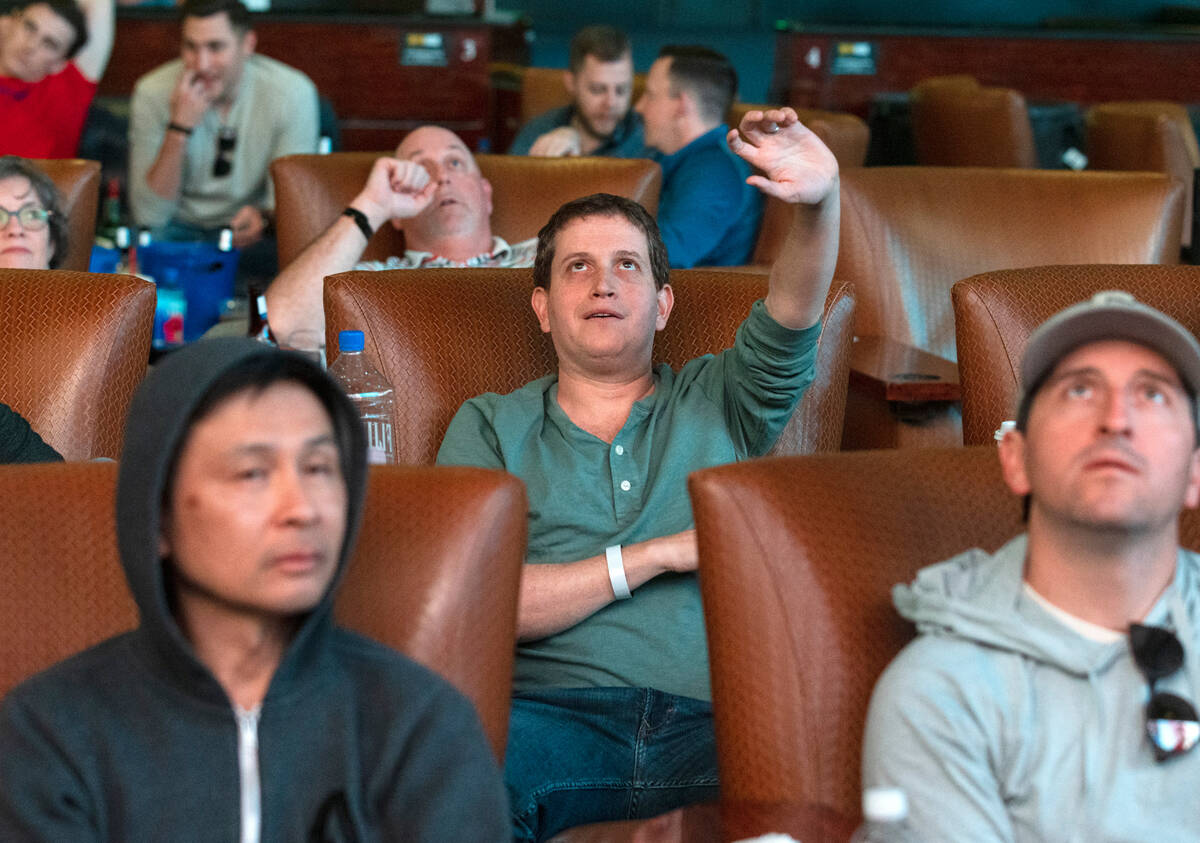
371, 394
885, 817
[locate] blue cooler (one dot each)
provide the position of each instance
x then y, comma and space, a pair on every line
202, 271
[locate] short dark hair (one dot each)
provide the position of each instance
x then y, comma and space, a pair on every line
256, 373
606, 43
69, 11
47, 194
706, 75
600, 205
239, 15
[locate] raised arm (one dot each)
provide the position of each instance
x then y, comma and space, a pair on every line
395, 189
798, 169
101, 23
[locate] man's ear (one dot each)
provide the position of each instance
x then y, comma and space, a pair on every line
666, 302
1011, 450
249, 42
487, 195
1191, 498
540, 308
569, 83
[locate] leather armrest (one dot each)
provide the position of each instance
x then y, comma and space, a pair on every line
893, 371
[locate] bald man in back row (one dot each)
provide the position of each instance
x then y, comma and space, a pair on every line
434, 191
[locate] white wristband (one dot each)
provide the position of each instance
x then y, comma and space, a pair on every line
616, 572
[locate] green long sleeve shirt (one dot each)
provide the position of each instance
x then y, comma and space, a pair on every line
586, 494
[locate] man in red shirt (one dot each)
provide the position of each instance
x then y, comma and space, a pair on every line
52, 54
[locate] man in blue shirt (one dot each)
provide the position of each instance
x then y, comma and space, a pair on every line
707, 213
598, 120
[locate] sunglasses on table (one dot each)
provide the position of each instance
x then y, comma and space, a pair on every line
226, 141
31, 217
1171, 722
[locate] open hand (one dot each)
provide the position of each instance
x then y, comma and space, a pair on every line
797, 167
556, 143
395, 189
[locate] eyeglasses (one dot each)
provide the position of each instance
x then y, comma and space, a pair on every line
31, 217
226, 141
1171, 722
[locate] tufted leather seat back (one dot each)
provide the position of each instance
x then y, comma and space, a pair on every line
74, 348
798, 556
960, 124
312, 190
1156, 136
78, 183
997, 311
441, 336
434, 575
908, 233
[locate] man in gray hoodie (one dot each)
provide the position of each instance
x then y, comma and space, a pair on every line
1051, 692
237, 710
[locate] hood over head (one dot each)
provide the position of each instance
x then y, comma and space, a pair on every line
160, 416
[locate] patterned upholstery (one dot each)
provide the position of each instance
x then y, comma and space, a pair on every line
78, 184
957, 123
997, 311
61, 587
1155, 136
435, 574
311, 190
441, 336
73, 350
908, 233
797, 559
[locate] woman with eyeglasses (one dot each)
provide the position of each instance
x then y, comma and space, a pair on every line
33, 228
33, 235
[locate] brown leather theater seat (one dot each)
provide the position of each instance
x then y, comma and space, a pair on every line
958, 123
312, 190
1156, 136
435, 573
78, 183
798, 556
908, 233
441, 336
74, 348
995, 313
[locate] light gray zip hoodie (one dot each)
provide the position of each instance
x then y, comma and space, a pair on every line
1003, 724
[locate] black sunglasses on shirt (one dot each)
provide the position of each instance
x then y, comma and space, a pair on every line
1171, 722
226, 141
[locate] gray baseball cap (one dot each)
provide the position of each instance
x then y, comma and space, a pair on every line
1108, 315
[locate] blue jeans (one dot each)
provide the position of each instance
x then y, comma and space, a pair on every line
584, 755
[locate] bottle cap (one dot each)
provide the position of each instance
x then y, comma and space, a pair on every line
225, 240
121, 237
351, 341
884, 804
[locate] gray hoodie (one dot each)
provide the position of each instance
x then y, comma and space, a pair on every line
1003, 724
136, 740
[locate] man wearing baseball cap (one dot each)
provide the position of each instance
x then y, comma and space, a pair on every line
1051, 692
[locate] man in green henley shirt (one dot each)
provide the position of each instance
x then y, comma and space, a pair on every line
612, 718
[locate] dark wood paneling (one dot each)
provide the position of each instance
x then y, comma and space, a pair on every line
1081, 67
357, 66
